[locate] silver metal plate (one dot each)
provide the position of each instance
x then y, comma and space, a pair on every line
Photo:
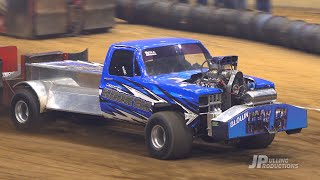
70, 86
74, 99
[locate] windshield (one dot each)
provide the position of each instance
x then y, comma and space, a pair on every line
175, 58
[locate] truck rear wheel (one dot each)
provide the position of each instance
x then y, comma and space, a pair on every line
256, 142
25, 111
167, 136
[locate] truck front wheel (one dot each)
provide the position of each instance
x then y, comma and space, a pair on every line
167, 136
24, 110
256, 142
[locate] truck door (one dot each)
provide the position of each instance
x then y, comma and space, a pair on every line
121, 69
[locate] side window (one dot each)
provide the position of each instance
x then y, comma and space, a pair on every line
121, 63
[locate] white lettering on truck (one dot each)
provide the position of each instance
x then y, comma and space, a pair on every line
239, 119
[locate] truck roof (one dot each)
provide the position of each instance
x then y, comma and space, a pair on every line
157, 42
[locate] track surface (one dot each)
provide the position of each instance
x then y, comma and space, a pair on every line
81, 150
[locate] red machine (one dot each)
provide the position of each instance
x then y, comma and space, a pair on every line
13, 72
8, 66
9, 56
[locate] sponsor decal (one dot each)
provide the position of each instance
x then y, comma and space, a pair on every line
258, 121
239, 119
265, 162
150, 53
262, 115
142, 101
280, 121
126, 99
114, 87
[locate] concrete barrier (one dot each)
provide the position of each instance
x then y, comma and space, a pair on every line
3, 7
98, 14
2, 24
43, 18
50, 17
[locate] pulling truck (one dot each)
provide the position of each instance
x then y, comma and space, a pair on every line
172, 86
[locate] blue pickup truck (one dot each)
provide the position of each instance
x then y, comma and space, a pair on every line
172, 86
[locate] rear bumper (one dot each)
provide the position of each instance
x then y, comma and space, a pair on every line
241, 121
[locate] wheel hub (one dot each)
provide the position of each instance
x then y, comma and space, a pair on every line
21, 111
158, 137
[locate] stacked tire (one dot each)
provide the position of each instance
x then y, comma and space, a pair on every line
229, 22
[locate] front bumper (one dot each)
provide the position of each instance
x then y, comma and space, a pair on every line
242, 120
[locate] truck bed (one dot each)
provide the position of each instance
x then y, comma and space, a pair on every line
70, 65
85, 74
71, 86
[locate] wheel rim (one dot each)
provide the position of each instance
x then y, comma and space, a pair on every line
158, 137
21, 111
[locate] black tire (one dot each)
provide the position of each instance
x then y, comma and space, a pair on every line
178, 137
25, 110
256, 142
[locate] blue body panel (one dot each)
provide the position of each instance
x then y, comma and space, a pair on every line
261, 83
167, 88
133, 98
276, 117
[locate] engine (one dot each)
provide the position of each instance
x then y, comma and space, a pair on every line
230, 81
223, 74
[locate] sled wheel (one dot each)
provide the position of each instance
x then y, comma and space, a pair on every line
24, 111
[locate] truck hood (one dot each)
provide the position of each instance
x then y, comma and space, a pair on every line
177, 80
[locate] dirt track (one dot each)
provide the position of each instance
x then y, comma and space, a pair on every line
68, 150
